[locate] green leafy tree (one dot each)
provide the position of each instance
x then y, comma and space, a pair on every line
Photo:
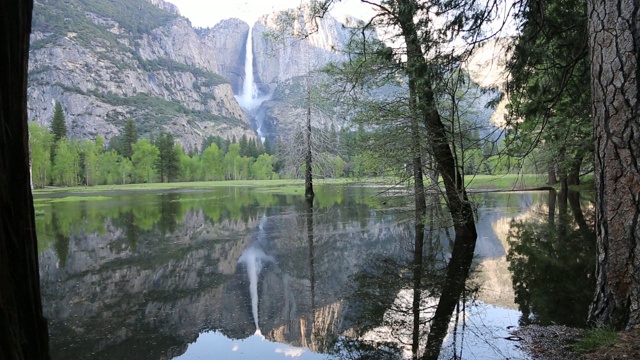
90, 152
189, 166
109, 170
262, 168
40, 140
144, 159
549, 90
212, 163
66, 163
231, 162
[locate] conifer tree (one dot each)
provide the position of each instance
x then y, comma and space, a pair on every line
130, 138
58, 124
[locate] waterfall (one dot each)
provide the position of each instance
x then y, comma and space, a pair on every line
249, 89
253, 259
250, 98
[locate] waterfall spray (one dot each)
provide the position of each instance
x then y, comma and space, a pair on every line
250, 98
249, 88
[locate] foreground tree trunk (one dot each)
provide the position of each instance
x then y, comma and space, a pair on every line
614, 37
23, 329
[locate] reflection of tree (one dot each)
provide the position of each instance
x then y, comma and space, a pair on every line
169, 209
62, 240
380, 297
553, 263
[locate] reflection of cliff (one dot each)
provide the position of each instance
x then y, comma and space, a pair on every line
494, 221
108, 296
149, 297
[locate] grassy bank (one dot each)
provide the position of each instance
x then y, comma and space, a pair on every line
291, 186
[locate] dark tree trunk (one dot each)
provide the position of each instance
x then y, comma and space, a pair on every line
456, 196
308, 175
23, 329
614, 38
573, 176
551, 174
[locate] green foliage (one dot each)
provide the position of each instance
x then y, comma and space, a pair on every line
144, 158
58, 124
168, 162
262, 169
136, 17
130, 137
66, 164
549, 91
212, 163
40, 141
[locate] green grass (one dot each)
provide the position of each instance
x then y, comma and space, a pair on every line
505, 182
79, 198
595, 338
288, 186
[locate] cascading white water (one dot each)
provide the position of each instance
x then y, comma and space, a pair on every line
253, 258
249, 88
250, 98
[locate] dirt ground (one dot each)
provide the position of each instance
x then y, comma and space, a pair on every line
556, 343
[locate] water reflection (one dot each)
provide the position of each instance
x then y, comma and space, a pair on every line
231, 271
553, 261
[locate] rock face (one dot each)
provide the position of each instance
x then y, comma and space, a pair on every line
283, 54
229, 38
287, 46
105, 64
108, 61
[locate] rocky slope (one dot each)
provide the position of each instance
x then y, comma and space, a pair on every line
108, 61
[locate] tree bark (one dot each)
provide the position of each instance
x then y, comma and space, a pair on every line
614, 37
23, 329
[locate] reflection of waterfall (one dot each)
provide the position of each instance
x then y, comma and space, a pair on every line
253, 259
250, 98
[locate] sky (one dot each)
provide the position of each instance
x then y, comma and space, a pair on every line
207, 13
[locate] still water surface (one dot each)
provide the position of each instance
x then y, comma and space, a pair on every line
236, 273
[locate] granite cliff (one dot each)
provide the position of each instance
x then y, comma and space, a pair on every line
106, 62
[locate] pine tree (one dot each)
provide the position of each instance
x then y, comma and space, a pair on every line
130, 138
168, 162
58, 124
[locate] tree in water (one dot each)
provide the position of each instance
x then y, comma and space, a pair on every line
23, 329
613, 40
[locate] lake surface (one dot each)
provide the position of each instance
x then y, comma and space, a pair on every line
238, 273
